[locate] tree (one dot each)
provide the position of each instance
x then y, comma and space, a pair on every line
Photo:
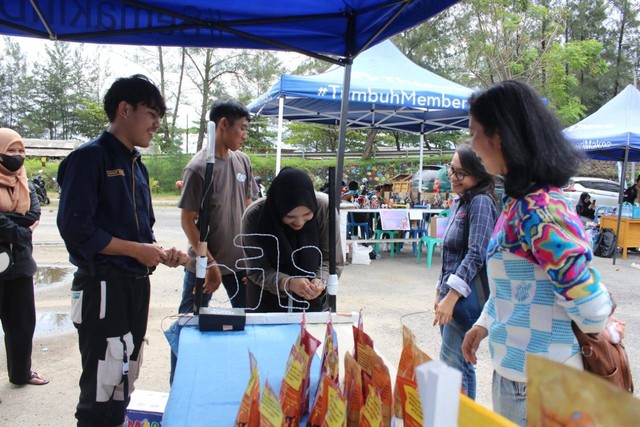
62, 85
15, 88
257, 72
206, 67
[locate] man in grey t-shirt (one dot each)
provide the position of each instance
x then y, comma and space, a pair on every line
233, 190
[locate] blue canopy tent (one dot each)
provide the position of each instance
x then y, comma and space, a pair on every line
388, 91
612, 133
331, 30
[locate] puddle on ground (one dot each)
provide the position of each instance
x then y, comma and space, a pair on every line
50, 323
48, 275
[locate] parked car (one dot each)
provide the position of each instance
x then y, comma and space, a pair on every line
429, 174
603, 191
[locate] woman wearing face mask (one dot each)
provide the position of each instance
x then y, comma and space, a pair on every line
464, 249
19, 215
538, 258
286, 240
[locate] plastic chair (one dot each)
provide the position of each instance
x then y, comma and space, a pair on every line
351, 224
417, 232
391, 234
430, 243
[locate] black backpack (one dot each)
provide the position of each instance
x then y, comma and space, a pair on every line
606, 243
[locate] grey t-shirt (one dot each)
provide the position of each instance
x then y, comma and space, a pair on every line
233, 184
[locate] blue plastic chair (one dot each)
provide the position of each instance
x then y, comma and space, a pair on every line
362, 226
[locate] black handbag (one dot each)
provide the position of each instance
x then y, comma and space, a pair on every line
467, 310
6, 258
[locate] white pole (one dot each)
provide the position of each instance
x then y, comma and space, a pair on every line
420, 170
280, 126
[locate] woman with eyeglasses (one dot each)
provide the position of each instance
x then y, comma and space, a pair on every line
538, 258
473, 215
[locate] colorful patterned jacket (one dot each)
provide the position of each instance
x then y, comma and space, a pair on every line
538, 263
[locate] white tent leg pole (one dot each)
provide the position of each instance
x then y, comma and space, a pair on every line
420, 168
342, 136
280, 126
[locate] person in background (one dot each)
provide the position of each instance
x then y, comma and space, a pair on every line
19, 216
287, 269
352, 192
233, 190
586, 208
632, 193
261, 190
538, 258
106, 220
463, 256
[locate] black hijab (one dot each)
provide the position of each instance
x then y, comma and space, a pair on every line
290, 189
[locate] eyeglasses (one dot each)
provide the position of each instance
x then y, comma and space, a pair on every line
459, 174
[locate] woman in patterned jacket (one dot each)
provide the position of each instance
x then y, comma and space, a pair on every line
538, 258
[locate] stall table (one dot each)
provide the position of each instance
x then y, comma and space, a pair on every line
629, 231
213, 367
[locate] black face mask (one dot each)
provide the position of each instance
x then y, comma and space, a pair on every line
11, 163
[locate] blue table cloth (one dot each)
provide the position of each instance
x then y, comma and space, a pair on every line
213, 371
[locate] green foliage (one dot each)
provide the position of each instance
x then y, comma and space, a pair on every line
165, 170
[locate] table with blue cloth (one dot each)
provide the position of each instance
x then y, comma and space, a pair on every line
213, 371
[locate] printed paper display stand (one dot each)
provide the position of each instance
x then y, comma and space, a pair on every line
395, 220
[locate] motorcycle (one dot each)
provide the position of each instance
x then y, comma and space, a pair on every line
41, 189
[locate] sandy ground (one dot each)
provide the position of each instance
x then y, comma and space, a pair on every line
390, 291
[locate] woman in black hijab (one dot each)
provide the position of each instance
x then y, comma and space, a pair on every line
286, 242
586, 207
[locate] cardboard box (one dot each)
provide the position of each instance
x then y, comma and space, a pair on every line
438, 226
146, 409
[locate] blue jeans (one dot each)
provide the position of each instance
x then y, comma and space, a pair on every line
229, 283
451, 354
509, 399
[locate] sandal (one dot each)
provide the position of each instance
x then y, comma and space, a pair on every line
37, 379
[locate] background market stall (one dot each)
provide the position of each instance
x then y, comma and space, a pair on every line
387, 91
612, 133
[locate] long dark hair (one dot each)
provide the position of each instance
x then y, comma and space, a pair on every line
471, 163
533, 145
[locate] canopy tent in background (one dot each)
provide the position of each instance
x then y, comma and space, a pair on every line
388, 91
612, 133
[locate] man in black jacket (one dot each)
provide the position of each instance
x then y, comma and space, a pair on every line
105, 218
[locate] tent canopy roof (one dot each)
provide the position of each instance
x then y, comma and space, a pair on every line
606, 134
388, 91
338, 28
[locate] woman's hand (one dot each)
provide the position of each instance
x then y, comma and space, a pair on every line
471, 343
34, 225
444, 309
304, 288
